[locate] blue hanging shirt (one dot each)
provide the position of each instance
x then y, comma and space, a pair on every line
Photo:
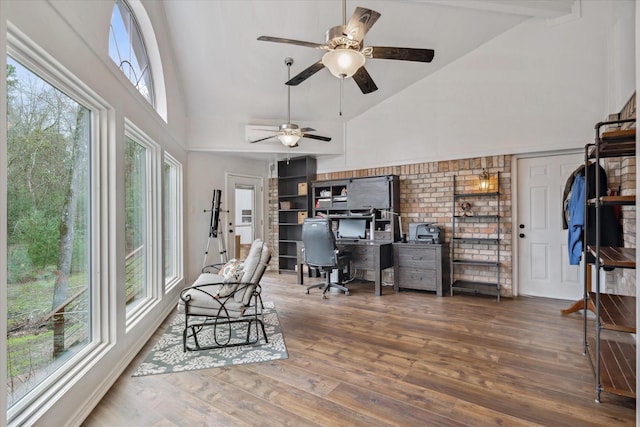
576, 220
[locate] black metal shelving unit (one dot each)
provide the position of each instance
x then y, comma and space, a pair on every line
464, 239
610, 350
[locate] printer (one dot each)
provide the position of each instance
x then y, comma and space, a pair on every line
424, 233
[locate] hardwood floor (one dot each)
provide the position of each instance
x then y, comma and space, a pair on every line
406, 359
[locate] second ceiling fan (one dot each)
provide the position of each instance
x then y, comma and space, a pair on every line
289, 133
346, 53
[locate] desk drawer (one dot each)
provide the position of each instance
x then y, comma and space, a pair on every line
363, 257
418, 279
417, 257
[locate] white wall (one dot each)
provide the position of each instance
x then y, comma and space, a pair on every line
537, 87
205, 173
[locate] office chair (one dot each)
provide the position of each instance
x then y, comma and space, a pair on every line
321, 251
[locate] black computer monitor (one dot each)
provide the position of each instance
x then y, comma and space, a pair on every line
352, 228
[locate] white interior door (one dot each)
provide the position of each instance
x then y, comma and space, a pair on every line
245, 212
543, 260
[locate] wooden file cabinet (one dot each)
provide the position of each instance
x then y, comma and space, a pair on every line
422, 266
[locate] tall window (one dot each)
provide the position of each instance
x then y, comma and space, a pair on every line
143, 216
128, 51
48, 230
136, 222
172, 202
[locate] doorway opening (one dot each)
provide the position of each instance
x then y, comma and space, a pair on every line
245, 216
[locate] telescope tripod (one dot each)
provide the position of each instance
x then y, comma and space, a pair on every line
213, 229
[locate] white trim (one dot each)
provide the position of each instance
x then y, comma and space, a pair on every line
44, 396
259, 201
3, 209
153, 224
153, 56
178, 254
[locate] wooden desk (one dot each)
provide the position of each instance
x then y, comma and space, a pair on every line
366, 255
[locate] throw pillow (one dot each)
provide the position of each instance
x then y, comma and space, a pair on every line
230, 283
231, 268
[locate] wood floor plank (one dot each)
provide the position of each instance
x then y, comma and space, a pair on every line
403, 359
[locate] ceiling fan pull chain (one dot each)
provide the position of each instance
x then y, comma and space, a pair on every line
341, 92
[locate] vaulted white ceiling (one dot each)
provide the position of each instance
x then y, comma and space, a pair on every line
227, 74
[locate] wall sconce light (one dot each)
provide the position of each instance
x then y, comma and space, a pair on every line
484, 180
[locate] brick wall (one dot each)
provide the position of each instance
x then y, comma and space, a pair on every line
621, 176
272, 237
426, 195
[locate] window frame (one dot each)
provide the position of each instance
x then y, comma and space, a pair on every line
153, 57
102, 325
151, 98
153, 216
177, 224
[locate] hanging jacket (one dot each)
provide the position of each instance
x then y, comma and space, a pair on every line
566, 195
576, 220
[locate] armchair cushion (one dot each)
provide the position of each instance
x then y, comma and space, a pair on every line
206, 300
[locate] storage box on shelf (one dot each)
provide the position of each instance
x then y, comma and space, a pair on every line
475, 242
294, 177
612, 356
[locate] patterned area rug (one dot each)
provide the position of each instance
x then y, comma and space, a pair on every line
167, 355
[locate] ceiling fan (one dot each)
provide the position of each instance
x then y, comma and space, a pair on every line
289, 133
346, 53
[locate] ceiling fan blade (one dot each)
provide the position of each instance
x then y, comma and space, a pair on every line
402, 53
263, 139
291, 41
303, 130
361, 22
364, 81
305, 74
318, 137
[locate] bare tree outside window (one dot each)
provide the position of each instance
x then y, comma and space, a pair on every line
48, 229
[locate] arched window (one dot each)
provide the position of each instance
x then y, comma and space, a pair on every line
127, 49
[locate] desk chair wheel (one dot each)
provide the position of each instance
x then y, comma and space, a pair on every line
307, 291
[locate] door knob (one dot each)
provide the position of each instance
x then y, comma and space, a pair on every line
521, 225
521, 234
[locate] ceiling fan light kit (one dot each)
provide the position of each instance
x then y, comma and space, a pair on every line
343, 62
289, 134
